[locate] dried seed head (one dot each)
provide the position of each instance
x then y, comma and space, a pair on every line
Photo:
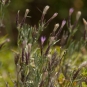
45, 9
63, 23
55, 27
78, 15
71, 11
26, 12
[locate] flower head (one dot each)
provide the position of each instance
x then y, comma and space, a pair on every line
55, 27
26, 12
43, 38
54, 15
71, 11
85, 24
78, 15
63, 23
84, 21
45, 9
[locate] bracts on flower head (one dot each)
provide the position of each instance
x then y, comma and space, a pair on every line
54, 15
62, 25
19, 25
56, 26
78, 15
44, 13
23, 20
77, 19
43, 38
71, 10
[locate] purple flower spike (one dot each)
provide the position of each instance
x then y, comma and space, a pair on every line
63, 23
43, 38
71, 11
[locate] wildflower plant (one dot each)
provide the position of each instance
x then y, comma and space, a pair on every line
50, 65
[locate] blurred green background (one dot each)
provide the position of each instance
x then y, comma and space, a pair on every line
36, 7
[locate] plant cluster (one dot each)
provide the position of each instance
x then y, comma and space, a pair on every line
39, 65
50, 65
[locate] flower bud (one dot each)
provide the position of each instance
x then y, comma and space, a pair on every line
26, 12
85, 23
78, 15
71, 11
45, 9
54, 15
63, 23
43, 39
55, 27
